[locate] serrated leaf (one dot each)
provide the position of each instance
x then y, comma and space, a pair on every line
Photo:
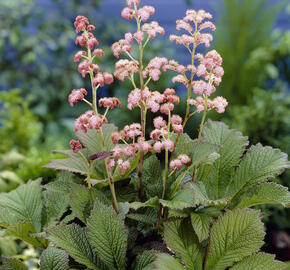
107, 234
234, 236
266, 193
22, 204
216, 178
181, 239
54, 259
142, 218
82, 200
184, 145
91, 139
73, 239
166, 262
151, 178
145, 260
152, 202
259, 164
13, 264
259, 261
201, 225
24, 231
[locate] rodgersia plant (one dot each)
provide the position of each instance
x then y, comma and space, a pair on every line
128, 211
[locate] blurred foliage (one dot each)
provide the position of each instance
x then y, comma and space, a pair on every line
243, 27
24, 147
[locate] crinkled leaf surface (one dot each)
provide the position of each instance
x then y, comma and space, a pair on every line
266, 193
201, 225
181, 239
217, 177
82, 200
153, 202
145, 260
22, 204
54, 259
108, 236
73, 239
234, 236
259, 261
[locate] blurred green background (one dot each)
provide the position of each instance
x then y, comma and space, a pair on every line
37, 73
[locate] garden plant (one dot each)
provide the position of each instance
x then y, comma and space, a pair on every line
130, 199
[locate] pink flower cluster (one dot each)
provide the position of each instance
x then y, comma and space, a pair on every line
154, 66
151, 29
110, 102
124, 68
142, 13
181, 160
218, 103
76, 95
75, 145
89, 120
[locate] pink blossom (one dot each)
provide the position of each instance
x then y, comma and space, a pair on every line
154, 66
97, 121
166, 108
145, 12
207, 24
129, 151
139, 36
181, 24
92, 42
118, 151
111, 163
159, 122
134, 98
146, 147
219, 104
81, 23
169, 145
127, 13
76, 95
89, 120
175, 119
177, 129
155, 134
108, 78
158, 146
116, 137
185, 159
81, 40
124, 68
79, 55
180, 79
124, 166
84, 67
75, 145
110, 102
201, 70
99, 79
98, 52
130, 3
151, 29
175, 164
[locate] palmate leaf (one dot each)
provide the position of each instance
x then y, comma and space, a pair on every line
181, 239
259, 261
22, 204
265, 193
201, 225
25, 231
54, 259
151, 178
259, 164
108, 236
73, 239
82, 200
166, 262
234, 236
217, 177
13, 264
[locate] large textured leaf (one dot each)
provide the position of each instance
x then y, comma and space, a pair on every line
153, 202
259, 164
180, 238
91, 139
82, 200
217, 177
22, 204
184, 145
259, 261
107, 234
145, 260
73, 239
54, 259
234, 236
24, 231
266, 193
201, 225
13, 264
166, 262
151, 178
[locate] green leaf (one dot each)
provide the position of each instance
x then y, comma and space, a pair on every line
82, 200
184, 145
151, 178
73, 239
24, 231
166, 262
107, 234
13, 264
145, 260
201, 225
152, 202
22, 204
259, 261
266, 193
259, 164
181, 239
54, 259
234, 236
216, 178
91, 139
142, 218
